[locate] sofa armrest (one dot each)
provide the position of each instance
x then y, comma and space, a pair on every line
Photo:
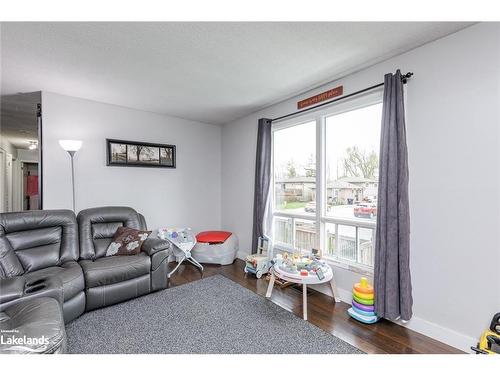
11, 288
45, 287
153, 245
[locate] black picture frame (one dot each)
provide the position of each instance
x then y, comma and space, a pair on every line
121, 153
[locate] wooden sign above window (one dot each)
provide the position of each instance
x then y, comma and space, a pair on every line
337, 91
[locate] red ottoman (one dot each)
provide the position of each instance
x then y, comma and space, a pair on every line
215, 247
213, 237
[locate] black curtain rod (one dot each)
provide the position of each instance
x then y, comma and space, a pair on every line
404, 79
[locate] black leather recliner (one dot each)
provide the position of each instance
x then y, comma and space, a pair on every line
48, 261
31, 310
38, 319
109, 280
36, 246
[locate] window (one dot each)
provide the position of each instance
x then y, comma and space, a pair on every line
295, 169
325, 171
352, 144
294, 160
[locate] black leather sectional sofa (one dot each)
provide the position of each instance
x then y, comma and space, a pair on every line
53, 268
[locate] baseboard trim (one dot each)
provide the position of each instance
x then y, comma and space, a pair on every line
417, 324
440, 333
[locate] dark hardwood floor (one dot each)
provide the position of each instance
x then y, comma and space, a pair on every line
383, 337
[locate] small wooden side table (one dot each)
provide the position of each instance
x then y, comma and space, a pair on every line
304, 280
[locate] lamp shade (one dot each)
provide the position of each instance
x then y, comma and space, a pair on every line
70, 144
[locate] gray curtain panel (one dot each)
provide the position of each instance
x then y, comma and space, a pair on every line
262, 179
392, 283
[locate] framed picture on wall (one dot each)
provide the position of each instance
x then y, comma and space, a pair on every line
139, 154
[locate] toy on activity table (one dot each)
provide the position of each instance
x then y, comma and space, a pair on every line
490, 339
183, 242
301, 264
260, 263
363, 308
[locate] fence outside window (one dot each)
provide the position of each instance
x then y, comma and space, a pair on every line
347, 242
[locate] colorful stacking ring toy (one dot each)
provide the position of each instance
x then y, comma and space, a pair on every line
368, 289
362, 318
365, 313
363, 295
362, 300
363, 308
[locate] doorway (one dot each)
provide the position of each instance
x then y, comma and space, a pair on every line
30, 186
20, 152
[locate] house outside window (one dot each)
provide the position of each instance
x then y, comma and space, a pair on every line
325, 182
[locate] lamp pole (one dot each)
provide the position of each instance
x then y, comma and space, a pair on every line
71, 147
71, 154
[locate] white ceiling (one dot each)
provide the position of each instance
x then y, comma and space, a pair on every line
211, 72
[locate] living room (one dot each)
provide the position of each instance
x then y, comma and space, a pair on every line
250, 188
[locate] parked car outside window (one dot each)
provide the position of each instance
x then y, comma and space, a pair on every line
310, 207
366, 210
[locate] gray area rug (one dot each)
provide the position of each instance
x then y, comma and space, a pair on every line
212, 315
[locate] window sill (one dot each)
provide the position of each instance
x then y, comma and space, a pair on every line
360, 270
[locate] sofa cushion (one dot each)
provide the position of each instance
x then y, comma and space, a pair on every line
10, 265
111, 270
127, 241
39, 239
97, 226
38, 318
37, 248
71, 276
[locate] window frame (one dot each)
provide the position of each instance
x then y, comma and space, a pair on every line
320, 218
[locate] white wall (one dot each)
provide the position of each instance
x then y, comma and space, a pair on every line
453, 120
7, 146
186, 196
27, 156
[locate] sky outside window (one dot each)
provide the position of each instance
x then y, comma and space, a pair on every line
359, 128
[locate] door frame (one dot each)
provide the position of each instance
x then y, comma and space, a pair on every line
3, 155
40, 153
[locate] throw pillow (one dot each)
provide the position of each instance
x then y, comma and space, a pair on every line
127, 241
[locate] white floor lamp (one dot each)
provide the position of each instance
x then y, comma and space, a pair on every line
71, 147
